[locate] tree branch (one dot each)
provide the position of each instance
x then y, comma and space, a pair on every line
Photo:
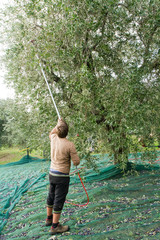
147, 45
55, 78
102, 31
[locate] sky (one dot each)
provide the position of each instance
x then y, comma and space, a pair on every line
5, 91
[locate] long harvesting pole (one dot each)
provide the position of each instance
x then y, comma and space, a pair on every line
48, 88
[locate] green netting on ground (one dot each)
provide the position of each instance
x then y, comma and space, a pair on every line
119, 208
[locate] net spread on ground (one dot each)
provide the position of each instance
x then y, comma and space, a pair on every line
119, 208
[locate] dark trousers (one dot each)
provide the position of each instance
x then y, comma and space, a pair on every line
58, 190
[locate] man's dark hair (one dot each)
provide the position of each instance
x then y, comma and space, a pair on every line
62, 129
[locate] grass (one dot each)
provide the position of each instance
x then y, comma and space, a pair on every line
14, 154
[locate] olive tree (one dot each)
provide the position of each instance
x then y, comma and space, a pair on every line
101, 59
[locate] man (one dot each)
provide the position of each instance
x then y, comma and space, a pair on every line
62, 152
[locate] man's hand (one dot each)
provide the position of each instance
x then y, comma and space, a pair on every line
60, 120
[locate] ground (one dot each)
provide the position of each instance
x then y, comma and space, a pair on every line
119, 207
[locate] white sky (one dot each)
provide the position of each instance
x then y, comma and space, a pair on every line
5, 91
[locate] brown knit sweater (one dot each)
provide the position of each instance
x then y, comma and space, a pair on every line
62, 152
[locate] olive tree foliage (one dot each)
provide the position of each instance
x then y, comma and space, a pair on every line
3, 116
101, 59
19, 126
9, 133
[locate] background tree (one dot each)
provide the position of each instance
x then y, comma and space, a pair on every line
3, 114
102, 61
23, 128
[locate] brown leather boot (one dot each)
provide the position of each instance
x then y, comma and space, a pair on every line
59, 229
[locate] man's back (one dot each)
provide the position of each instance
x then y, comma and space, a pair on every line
62, 151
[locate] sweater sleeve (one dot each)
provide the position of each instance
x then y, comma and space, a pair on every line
74, 156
